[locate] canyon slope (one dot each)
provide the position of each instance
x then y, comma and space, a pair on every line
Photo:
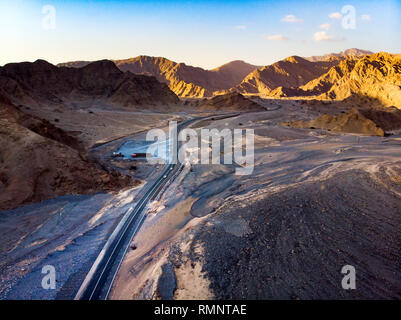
39, 161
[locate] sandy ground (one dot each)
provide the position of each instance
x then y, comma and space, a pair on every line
315, 202
67, 233
96, 125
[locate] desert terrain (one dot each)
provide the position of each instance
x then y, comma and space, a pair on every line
325, 190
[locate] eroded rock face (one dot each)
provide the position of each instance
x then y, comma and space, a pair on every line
40, 165
351, 122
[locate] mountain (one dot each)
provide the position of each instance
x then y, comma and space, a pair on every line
349, 53
273, 80
40, 161
234, 72
74, 64
376, 76
100, 82
188, 81
183, 80
293, 71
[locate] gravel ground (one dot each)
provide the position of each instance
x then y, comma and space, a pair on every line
293, 244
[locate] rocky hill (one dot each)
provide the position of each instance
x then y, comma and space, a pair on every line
39, 161
183, 80
188, 81
293, 71
351, 122
42, 82
377, 76
232, 101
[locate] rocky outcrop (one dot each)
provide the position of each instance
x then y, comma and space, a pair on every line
351, 122
39, 161
377, 76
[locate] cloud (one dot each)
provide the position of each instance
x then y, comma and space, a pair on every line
325, 26
275, 37
335, 15
365, 17
291, 19
240, 27
323, 36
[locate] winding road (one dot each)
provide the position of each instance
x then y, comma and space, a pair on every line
99, 280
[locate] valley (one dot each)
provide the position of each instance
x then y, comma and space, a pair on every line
324, 192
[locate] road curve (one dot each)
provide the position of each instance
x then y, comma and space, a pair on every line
100, 278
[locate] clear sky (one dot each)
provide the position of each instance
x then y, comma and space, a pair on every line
199, 33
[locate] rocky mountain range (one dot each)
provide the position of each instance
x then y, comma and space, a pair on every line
346, 54
272, 80
290, 72
146, 80
102, 82
30, 143
377, 76
183, 80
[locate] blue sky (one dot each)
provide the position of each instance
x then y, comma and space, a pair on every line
199, 33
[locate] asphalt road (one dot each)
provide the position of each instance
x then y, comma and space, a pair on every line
99, 281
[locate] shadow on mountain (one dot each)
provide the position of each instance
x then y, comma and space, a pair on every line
356, 114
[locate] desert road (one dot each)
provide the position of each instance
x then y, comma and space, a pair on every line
100, 278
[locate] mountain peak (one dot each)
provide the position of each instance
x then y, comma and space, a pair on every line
352, 52
102, 64
355, 52
236, 64
294, 59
